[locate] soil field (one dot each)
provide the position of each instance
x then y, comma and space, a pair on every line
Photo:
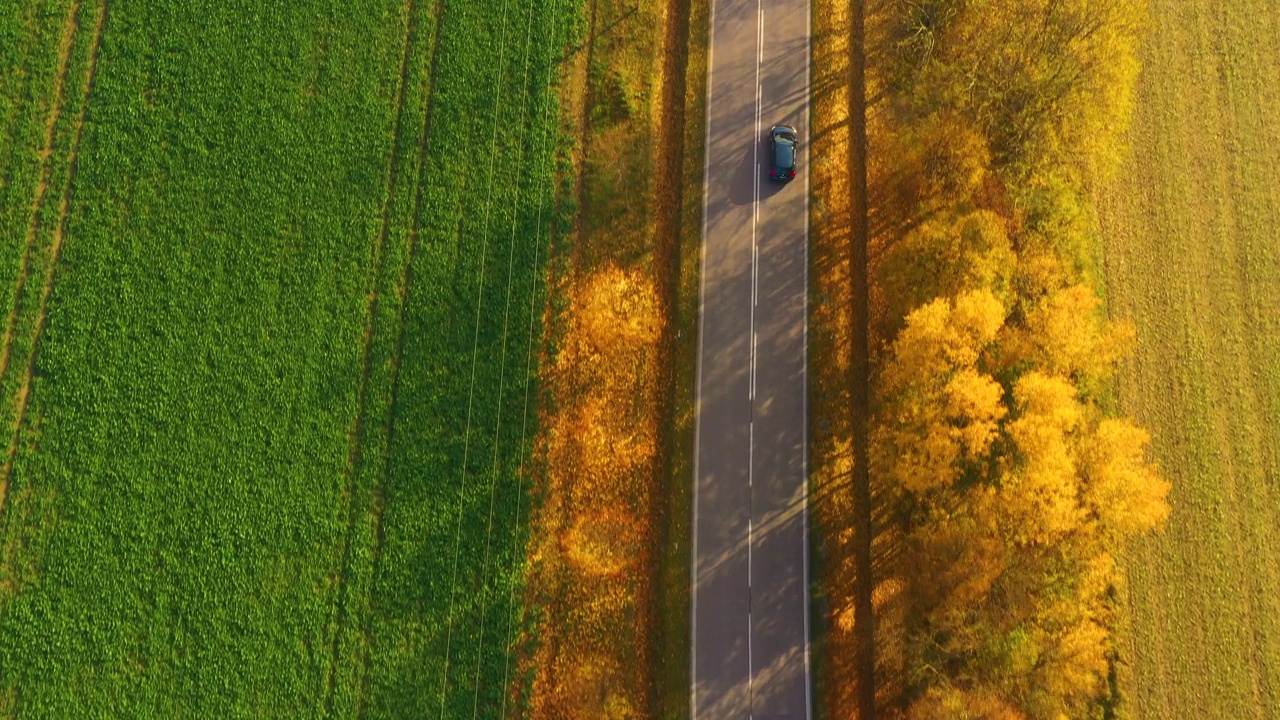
272, 286
1192, 257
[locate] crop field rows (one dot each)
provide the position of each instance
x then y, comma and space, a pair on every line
1191, 256
445, 583
37, 185
272, 460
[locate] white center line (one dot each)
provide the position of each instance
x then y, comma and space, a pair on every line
750, 688
755, 274
753, 364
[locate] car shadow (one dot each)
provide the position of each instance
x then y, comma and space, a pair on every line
742, 188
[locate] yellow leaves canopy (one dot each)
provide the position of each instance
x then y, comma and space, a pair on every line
942, 410
946, 256
1121, 487
1066, 334
942, 336
953, 703
1042, 490
974, 400
1013, 487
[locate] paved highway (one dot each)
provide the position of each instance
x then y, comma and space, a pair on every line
750, 553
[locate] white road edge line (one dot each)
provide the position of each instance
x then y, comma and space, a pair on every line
697, 402
804, 428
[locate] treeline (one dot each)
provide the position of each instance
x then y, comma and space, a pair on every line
1007, 484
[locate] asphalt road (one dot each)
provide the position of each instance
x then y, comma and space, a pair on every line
750, 553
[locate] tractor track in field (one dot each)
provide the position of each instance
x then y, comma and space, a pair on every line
66, 45
7, 125
354, 456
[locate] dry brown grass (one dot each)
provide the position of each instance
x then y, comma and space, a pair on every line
603, 544
594, 537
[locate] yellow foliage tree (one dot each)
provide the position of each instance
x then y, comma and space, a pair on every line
1042, 487
1066, 334
956, 557
1121, 488
953, 703
1013, 494
1051, 79
1011, 486
945, 256
941, 411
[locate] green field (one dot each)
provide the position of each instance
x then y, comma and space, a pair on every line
275, 314
1191, 256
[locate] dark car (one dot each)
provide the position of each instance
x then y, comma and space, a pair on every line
782, 144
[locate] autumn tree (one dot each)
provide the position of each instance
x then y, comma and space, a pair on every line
1008, 486
1011, 492
940, 411
1122, 490
1049, 81
945, 256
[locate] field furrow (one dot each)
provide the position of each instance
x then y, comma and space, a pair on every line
1191, 256
29, 318
379, 364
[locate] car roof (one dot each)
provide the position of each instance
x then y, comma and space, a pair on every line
784, 153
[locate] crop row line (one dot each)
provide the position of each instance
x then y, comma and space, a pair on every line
19, 399
366, 363
497, 430
475, 350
